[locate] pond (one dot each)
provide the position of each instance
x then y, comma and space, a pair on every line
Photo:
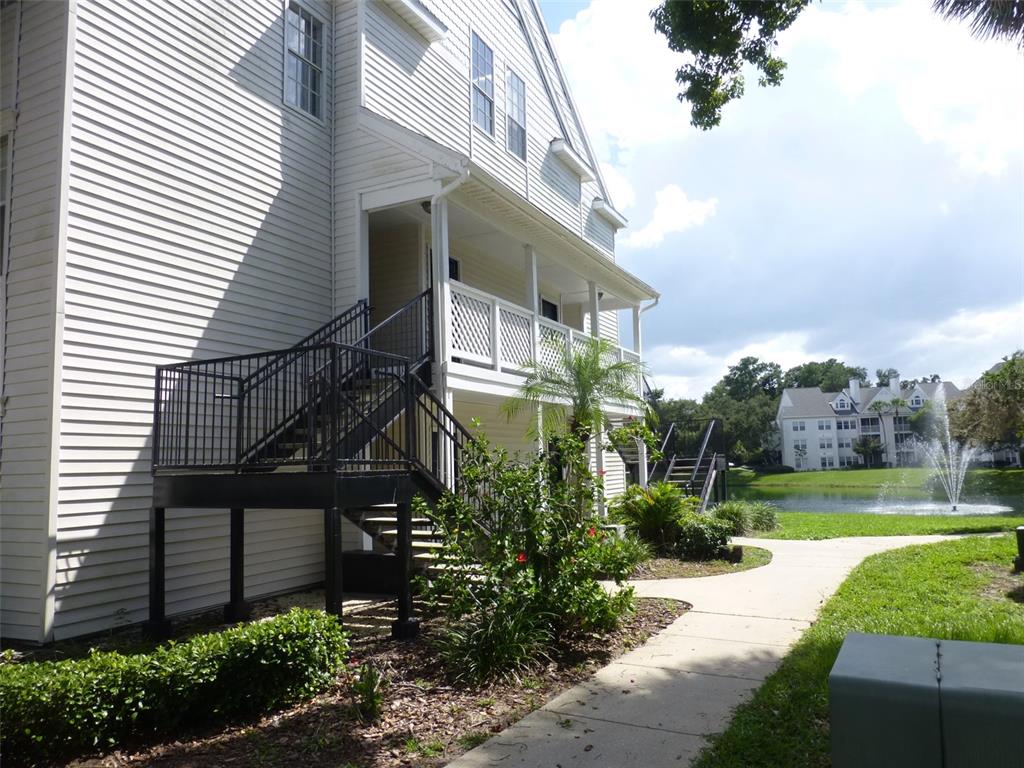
889, 500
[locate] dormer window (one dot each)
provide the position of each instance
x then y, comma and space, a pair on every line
842, 405
916, 401
483, 85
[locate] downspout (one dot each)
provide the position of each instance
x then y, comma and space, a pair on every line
641, 447
439, 281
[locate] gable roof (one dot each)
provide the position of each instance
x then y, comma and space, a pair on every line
805, 402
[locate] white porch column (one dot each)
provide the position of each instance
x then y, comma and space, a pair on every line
441, 296
531, 300
598, 439
641, 445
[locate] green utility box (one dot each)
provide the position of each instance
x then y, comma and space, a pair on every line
910, 701
982, 697
884, 703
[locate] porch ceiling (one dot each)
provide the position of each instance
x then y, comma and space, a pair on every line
564, 256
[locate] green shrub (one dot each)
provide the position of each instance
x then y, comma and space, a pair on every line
746, 516
618, 556
763, 516
367, 692
653, 513
504, 639
736, 514
57, 708
702, 537
523, 554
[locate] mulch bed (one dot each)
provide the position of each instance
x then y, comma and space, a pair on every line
427, 720
676, 568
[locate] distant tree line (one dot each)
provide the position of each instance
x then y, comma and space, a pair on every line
746, 399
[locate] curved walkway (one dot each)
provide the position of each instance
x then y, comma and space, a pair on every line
655, 705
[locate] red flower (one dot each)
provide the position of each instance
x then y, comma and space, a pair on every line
521, 557
591, 531
602, 472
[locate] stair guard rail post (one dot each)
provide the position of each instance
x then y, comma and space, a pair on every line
240, 426
332, 411
411, 446
157, 394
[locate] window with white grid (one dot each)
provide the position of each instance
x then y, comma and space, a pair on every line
516, 109
483, 85
304, 60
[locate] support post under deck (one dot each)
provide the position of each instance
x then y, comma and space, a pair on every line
406, 627
332, 561
237, 609
157, 626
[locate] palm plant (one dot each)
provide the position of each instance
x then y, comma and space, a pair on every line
896, 403
880, 407
576, 388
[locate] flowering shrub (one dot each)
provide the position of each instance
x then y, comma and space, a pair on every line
521, 555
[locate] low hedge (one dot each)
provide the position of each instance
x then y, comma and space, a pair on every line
54, 709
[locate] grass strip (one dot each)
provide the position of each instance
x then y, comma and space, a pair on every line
940, 590
832, 525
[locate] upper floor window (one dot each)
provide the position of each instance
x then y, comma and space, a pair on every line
516, 110
483, 85
304, 60
917, 402
842, 405
824, 425
799, 426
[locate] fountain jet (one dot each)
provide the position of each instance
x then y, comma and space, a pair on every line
949, 457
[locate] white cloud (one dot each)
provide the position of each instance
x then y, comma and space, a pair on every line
622, 75
619, 188
953, 89
673, 212
967, 343
684, 371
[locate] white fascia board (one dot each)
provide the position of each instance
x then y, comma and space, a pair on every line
603, 209
567, 155
420, 18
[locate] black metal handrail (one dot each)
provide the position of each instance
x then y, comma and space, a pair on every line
712, 423
296, 406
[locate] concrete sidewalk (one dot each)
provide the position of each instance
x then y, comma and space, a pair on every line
655, 705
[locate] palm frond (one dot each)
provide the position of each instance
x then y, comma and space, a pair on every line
988, 18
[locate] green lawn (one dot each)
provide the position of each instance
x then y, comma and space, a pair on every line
1001, 482
960, 590
831, 525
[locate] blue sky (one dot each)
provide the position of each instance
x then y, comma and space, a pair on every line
870, 208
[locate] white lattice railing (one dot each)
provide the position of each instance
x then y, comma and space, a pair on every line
502, 336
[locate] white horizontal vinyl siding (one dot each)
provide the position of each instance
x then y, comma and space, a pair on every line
514, 436
35, 70
199, 226
427, 88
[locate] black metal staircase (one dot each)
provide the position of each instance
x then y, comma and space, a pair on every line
693, 459
343, 420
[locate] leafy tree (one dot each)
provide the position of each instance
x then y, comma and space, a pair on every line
750, 377
869, 448
992, 411
924, 423
831, 375
723, 35
885, 375
747, 424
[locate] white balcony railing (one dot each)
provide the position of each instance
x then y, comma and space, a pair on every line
496, 334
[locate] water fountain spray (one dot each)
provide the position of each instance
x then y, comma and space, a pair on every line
949, 457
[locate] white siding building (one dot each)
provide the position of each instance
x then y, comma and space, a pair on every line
819, 430
183, 182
